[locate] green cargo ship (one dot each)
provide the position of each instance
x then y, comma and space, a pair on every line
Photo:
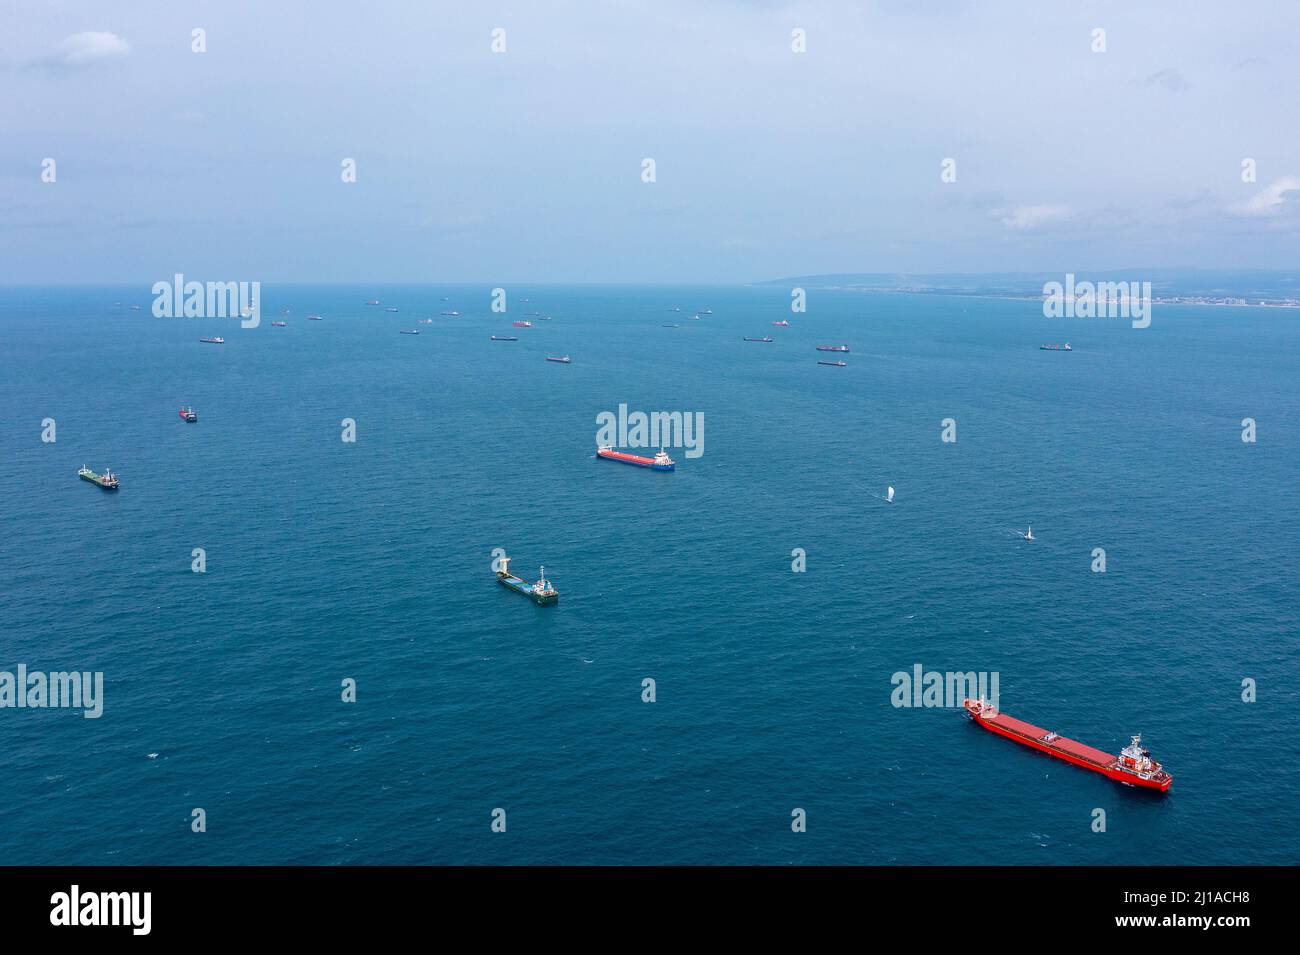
107, 480
541, 592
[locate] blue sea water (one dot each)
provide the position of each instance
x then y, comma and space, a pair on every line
372, 561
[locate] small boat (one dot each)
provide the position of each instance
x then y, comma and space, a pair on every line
373, 301
532, 314
562, 359
390, 309
670, 326
1029, 534
409, 331
453, 314
135, 308
313, 318
107, 480
705, 311
504, 338
695, 318
768, 340
675, 308
782, 324
280, 324
836, 364
426, 321
523, 300
187, 414
523, 324
546, 318
1065, 347
842, 348
889, 496
214, 340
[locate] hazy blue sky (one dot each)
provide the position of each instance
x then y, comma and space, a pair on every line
526, 166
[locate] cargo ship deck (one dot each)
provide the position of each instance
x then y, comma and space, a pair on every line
1132, 767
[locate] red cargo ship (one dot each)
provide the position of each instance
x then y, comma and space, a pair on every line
1133, 766
660, 462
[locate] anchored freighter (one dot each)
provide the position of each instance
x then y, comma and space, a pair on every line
1133, 766
660, 462
107, 480
541, 592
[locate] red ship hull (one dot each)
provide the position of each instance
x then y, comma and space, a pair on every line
629, 458
1080, 754
611, 455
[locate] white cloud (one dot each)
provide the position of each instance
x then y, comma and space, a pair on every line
84, 49
1168, 78
1271, 200
1023, 218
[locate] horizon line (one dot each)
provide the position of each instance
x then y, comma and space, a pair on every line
676, 282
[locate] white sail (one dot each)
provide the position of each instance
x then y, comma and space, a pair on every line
890, 496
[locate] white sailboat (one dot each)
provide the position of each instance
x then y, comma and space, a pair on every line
1029, 534
889, 497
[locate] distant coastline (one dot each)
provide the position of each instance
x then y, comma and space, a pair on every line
1219, 288
1226, 302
